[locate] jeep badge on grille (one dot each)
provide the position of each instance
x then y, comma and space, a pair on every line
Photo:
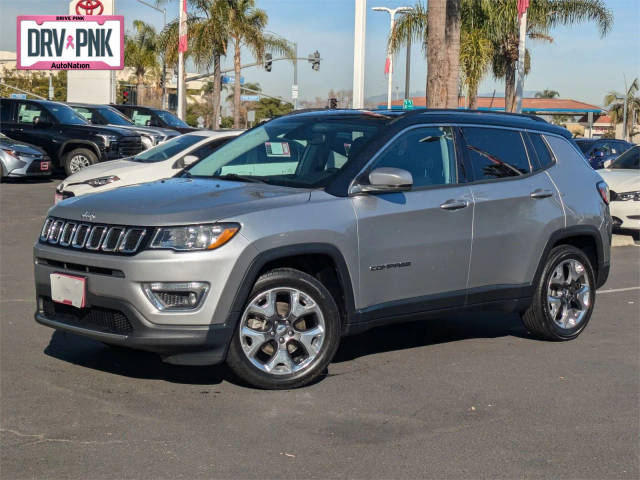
88, 216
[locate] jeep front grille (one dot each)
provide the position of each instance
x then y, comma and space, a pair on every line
92, 237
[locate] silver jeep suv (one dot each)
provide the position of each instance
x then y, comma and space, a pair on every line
323, 224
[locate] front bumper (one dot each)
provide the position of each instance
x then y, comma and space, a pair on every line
30, 167
625, 214
118, 312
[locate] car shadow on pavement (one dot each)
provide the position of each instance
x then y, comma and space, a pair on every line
129, 363
137, 364
422, 333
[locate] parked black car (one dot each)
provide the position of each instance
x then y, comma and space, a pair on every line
108, 115
599, 150
154, 117
68, 139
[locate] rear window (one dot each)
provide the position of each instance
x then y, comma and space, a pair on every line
495, 153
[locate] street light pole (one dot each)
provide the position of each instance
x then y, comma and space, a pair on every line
392, 13
358, 53
624, 114
407, 74
164, 60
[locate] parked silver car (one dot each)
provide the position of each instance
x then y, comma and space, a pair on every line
322, 224
19, 159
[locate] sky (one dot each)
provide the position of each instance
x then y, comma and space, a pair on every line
578, 63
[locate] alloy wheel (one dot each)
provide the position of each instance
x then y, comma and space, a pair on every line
78, 162
569, 294
282, 331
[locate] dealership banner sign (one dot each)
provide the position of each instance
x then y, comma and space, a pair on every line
70, 42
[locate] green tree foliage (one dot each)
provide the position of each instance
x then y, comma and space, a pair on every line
35, 82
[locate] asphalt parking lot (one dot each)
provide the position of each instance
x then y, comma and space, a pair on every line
455, 398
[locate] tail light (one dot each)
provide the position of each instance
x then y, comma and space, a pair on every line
603, 188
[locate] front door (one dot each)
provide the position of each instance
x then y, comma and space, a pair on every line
415, 246
36, 126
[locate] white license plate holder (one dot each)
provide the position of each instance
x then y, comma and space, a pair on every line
68, 289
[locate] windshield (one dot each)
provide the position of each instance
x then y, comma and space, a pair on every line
65, 114
114, 117
168, 149
170, 119
302, 152
584, 145
628, 160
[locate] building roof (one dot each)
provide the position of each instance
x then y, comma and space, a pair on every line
538, 105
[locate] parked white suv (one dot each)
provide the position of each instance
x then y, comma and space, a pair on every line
162, 161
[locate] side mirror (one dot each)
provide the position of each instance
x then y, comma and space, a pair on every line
386, 180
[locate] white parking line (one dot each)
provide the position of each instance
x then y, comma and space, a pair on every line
618, 290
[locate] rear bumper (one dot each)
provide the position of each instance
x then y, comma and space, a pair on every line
117, 322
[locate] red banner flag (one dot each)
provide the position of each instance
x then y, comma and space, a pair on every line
183, 42
387, 66
522, 7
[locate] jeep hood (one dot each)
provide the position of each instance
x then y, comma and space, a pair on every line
178, 201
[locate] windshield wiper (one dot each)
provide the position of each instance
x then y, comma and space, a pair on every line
234, 177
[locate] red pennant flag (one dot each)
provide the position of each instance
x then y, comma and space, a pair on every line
522, 7
183, 42
387, 66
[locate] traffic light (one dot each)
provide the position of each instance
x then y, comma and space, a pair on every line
125, 96
333, 103
315, 60
267, 61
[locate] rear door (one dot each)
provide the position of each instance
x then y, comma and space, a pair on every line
415, 246
516, 209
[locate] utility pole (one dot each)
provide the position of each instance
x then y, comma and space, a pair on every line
522, 15
389, 66
358, 53
407, 73
50, 86
624, 114
294, 88
182, 47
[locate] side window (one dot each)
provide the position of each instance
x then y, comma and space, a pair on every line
540, 151
141, 118
85, 113
31, 113
6, 110
604, 147
428, 153
209, 148
495, 153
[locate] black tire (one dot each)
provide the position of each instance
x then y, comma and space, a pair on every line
87, 153
538, 318
310, 286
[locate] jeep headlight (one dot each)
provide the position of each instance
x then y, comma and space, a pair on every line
108, 139
623, 197
102, 181
194, 237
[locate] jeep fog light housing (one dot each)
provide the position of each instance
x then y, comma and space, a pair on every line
194, 237
176, 295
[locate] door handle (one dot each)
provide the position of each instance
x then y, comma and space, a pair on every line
539, 193
454, 204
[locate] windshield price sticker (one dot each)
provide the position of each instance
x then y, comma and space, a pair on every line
277, 149
70, 42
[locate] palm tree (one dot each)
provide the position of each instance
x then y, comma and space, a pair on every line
208, 41
476, 52
615, 102
452, 42
547, 94
140, 53
501, 24
246, 25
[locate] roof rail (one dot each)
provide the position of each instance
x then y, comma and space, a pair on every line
419, 110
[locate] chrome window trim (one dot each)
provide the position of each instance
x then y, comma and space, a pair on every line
452, 124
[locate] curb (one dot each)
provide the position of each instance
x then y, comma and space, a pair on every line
623, 241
